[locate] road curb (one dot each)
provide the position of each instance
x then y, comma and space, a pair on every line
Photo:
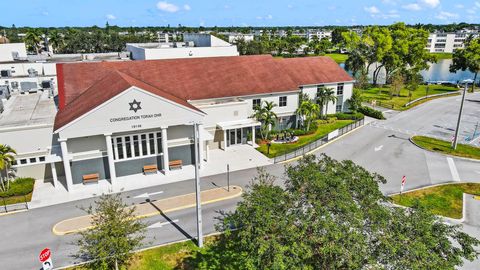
13, 212
441, 154
238, 194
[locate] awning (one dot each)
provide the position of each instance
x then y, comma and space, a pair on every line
238, 124
205, 135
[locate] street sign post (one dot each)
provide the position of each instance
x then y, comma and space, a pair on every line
45, 258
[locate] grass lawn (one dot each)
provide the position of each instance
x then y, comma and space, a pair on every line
381, 95
338, 57
16, 199
322, 130
445, 147
166, 257
443, 55
445, 200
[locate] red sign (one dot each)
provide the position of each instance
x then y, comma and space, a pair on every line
44, 255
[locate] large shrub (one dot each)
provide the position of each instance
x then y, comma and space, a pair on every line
371, 112
349, 116
19, 187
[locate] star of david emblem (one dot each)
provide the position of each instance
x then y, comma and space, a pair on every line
135, 105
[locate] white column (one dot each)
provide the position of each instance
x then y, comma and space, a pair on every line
54, 174
166, 168
206, 152
253, 136
200, 145
111, 163
66, 164
225, 139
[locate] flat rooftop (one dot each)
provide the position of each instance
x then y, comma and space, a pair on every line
28, 110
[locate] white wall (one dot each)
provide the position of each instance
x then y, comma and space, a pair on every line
31, 139
292, 102
104, 119
188, 52
7, 50
229, 111
311, 91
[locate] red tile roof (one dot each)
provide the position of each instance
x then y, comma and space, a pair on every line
84, 86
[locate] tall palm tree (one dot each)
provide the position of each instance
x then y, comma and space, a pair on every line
56, 40
265, 115
6, 160
320, 98
308, 110
32, 39
329, 97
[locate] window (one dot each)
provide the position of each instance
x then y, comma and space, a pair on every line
256, 103
138, 145
282, 101
33, 160
338, 108
41, 159
440, 45
23, 161
441, 40
340, 89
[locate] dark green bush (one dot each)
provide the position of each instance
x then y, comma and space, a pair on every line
349, 116
371, 112
19, 187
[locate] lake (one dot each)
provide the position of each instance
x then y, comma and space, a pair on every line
437, 72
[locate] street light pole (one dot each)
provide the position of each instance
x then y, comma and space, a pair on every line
197, 188
455, 139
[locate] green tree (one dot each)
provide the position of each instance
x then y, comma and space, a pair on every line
468, 58
7, 158
114, 235
308, 110
413, 80
331, 215
32, 39
56, 40
265, 115
397, 84
324, 97
355, 101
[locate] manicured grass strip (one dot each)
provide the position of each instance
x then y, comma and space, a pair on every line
338, 57
166, 257
16, 199
445, 200
445, 147
322, 130
382, 96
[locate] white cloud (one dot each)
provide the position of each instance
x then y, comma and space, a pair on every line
471, 11
168, 7
477, 4
372, 10
269, 16
289, 6
187, 7
444, 15
389, 2
431, 3
412, 7
459, 6
45, 13
110, 17
259, 18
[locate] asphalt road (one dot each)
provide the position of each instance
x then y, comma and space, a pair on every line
380, 147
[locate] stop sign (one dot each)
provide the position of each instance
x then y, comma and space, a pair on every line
44, 255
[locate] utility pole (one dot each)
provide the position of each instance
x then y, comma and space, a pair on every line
455, 139
197, 188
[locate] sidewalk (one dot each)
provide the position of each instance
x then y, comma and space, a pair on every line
240, 157
153, 208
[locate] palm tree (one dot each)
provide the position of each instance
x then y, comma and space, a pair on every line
329, 97
32, 39
308, 110
6, 160
320, 99
266, 116
56, 40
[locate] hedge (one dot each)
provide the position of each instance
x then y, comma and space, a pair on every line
349, 116
19, 187
371, 112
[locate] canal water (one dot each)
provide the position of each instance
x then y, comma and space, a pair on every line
437, 72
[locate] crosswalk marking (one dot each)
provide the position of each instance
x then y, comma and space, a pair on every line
453, 169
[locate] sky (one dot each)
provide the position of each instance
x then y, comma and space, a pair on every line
235, 13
